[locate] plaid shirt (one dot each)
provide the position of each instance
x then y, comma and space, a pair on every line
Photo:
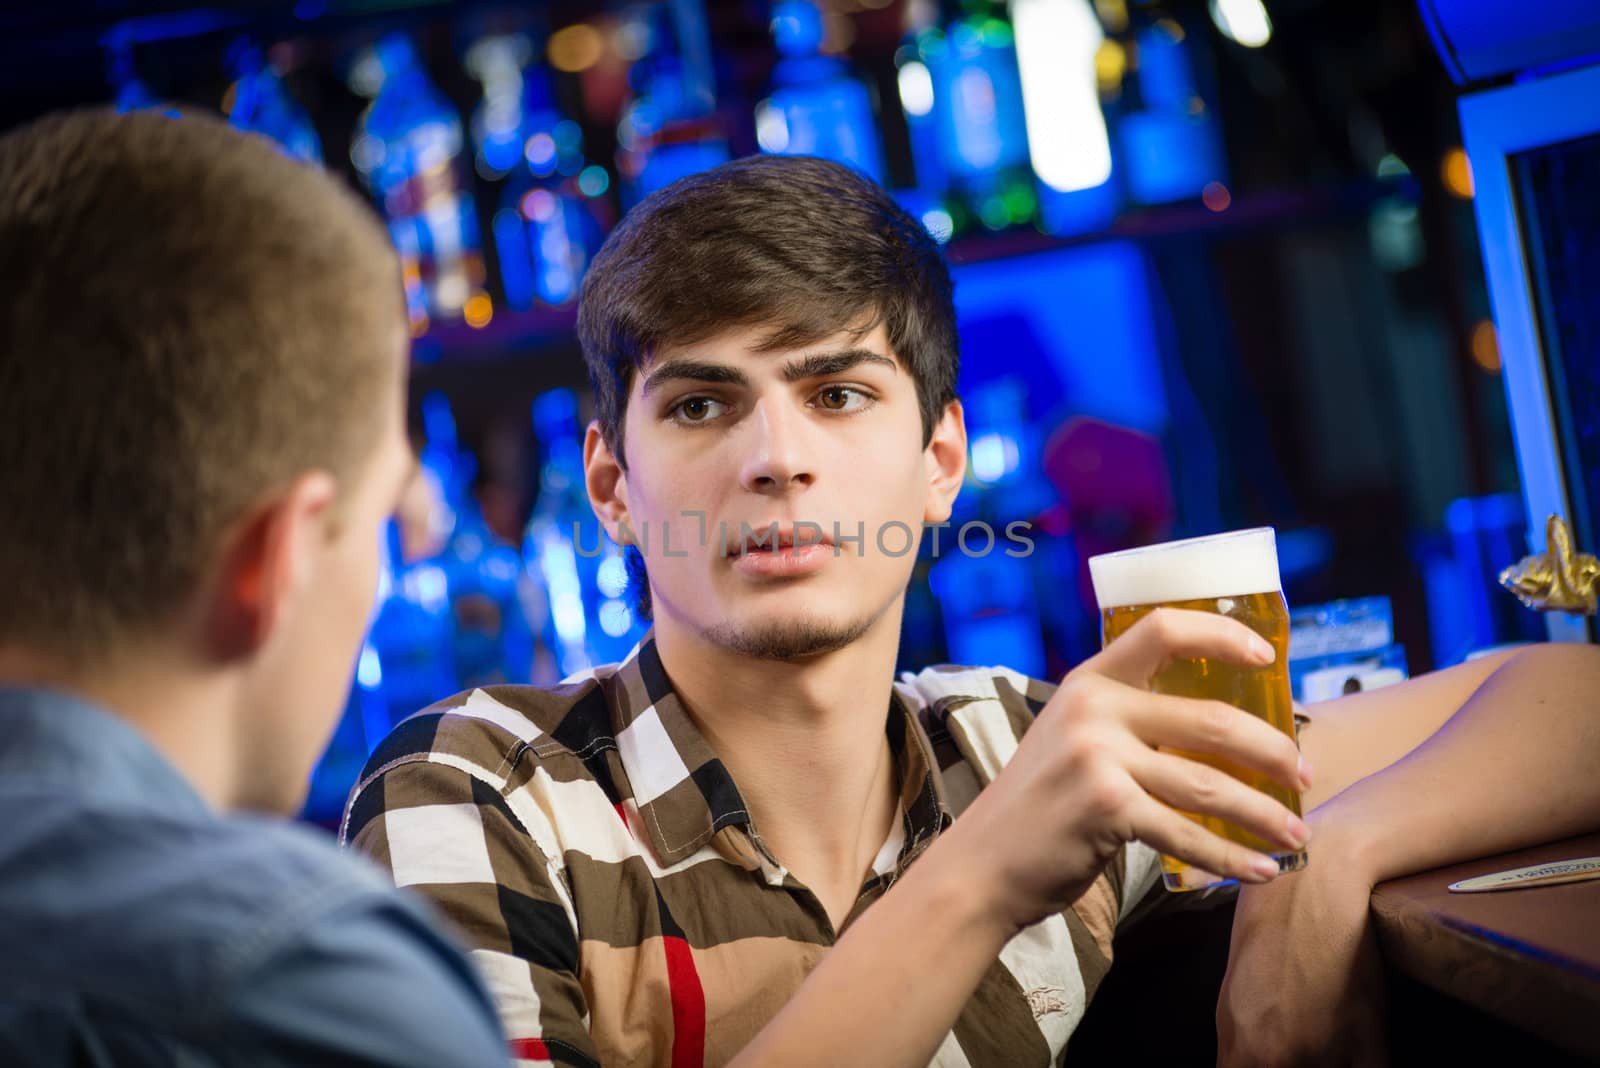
593, 848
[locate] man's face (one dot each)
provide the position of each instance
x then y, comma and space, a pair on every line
302, 675
828, 434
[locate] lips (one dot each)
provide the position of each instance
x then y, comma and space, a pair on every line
760, 540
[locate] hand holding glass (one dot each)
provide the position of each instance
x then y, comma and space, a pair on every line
1235, 575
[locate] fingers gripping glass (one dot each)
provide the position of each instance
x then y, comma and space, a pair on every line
1236, 575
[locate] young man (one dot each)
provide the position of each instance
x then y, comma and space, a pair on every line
749, 842
202, 371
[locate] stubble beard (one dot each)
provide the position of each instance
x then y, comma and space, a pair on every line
789, 639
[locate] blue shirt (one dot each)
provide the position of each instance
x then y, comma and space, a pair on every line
140, 927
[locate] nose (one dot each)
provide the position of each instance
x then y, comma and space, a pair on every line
776, 459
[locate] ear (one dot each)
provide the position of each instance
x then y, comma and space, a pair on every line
266, 563
607, 484
945, 460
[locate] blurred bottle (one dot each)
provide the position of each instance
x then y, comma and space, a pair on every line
1065, 61
577, 572
990, 610
490, 640
671, 128
408, 144
926, 197
962, 95
1168, 137
546, 229
500, 118
1468, 610
412, 637
129, 89
817, 107
991, 576
259, 101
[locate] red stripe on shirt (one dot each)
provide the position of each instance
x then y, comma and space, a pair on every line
688, 1005
529, 1049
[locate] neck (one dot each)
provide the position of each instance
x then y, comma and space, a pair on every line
803, 740
177, 707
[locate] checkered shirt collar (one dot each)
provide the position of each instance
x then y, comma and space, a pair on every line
685, 794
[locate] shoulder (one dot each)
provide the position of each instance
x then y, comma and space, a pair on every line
496, 766
486, 731
365, 975
189, 878
339, 966
168, 920
983, 712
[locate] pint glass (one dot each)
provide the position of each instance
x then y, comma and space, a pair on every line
1235, 575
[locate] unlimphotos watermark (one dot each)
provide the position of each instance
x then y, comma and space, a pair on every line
894, 538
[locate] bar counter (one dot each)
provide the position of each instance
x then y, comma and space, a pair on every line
1529, 957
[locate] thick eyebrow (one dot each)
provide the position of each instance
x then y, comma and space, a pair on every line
815, 365
693, 371
831, 363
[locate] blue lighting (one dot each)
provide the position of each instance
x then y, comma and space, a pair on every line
369, 672
1077, 323
594, 181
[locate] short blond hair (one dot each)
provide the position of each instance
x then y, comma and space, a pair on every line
188, 320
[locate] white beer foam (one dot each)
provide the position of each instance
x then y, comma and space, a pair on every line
1196, 569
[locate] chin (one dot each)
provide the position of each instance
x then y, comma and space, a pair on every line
788, 632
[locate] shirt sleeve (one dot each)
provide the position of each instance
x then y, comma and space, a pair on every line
450, 836
371, 983
1134, 878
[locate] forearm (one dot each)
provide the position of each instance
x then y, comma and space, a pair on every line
1518, 763
928, 934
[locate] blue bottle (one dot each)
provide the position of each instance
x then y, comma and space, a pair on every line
131, 92
546, 228
490, 640
1171, 143
262, 103
985, 573
412, 637
579, 573
817, 108
927, 197
671, 128
983, 132
499, 120
407, 146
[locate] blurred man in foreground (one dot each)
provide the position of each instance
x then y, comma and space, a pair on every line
202, 373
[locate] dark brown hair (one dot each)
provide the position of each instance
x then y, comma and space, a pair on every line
805, 246
189, 319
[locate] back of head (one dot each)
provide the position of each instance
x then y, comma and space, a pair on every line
189, 319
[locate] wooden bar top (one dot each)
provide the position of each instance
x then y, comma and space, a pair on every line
1530, 956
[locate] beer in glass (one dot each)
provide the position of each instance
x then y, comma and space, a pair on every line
1236, 575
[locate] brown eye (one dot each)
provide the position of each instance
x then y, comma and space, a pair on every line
694, 410
845, 400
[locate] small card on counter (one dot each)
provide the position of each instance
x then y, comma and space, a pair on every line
1560, 871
